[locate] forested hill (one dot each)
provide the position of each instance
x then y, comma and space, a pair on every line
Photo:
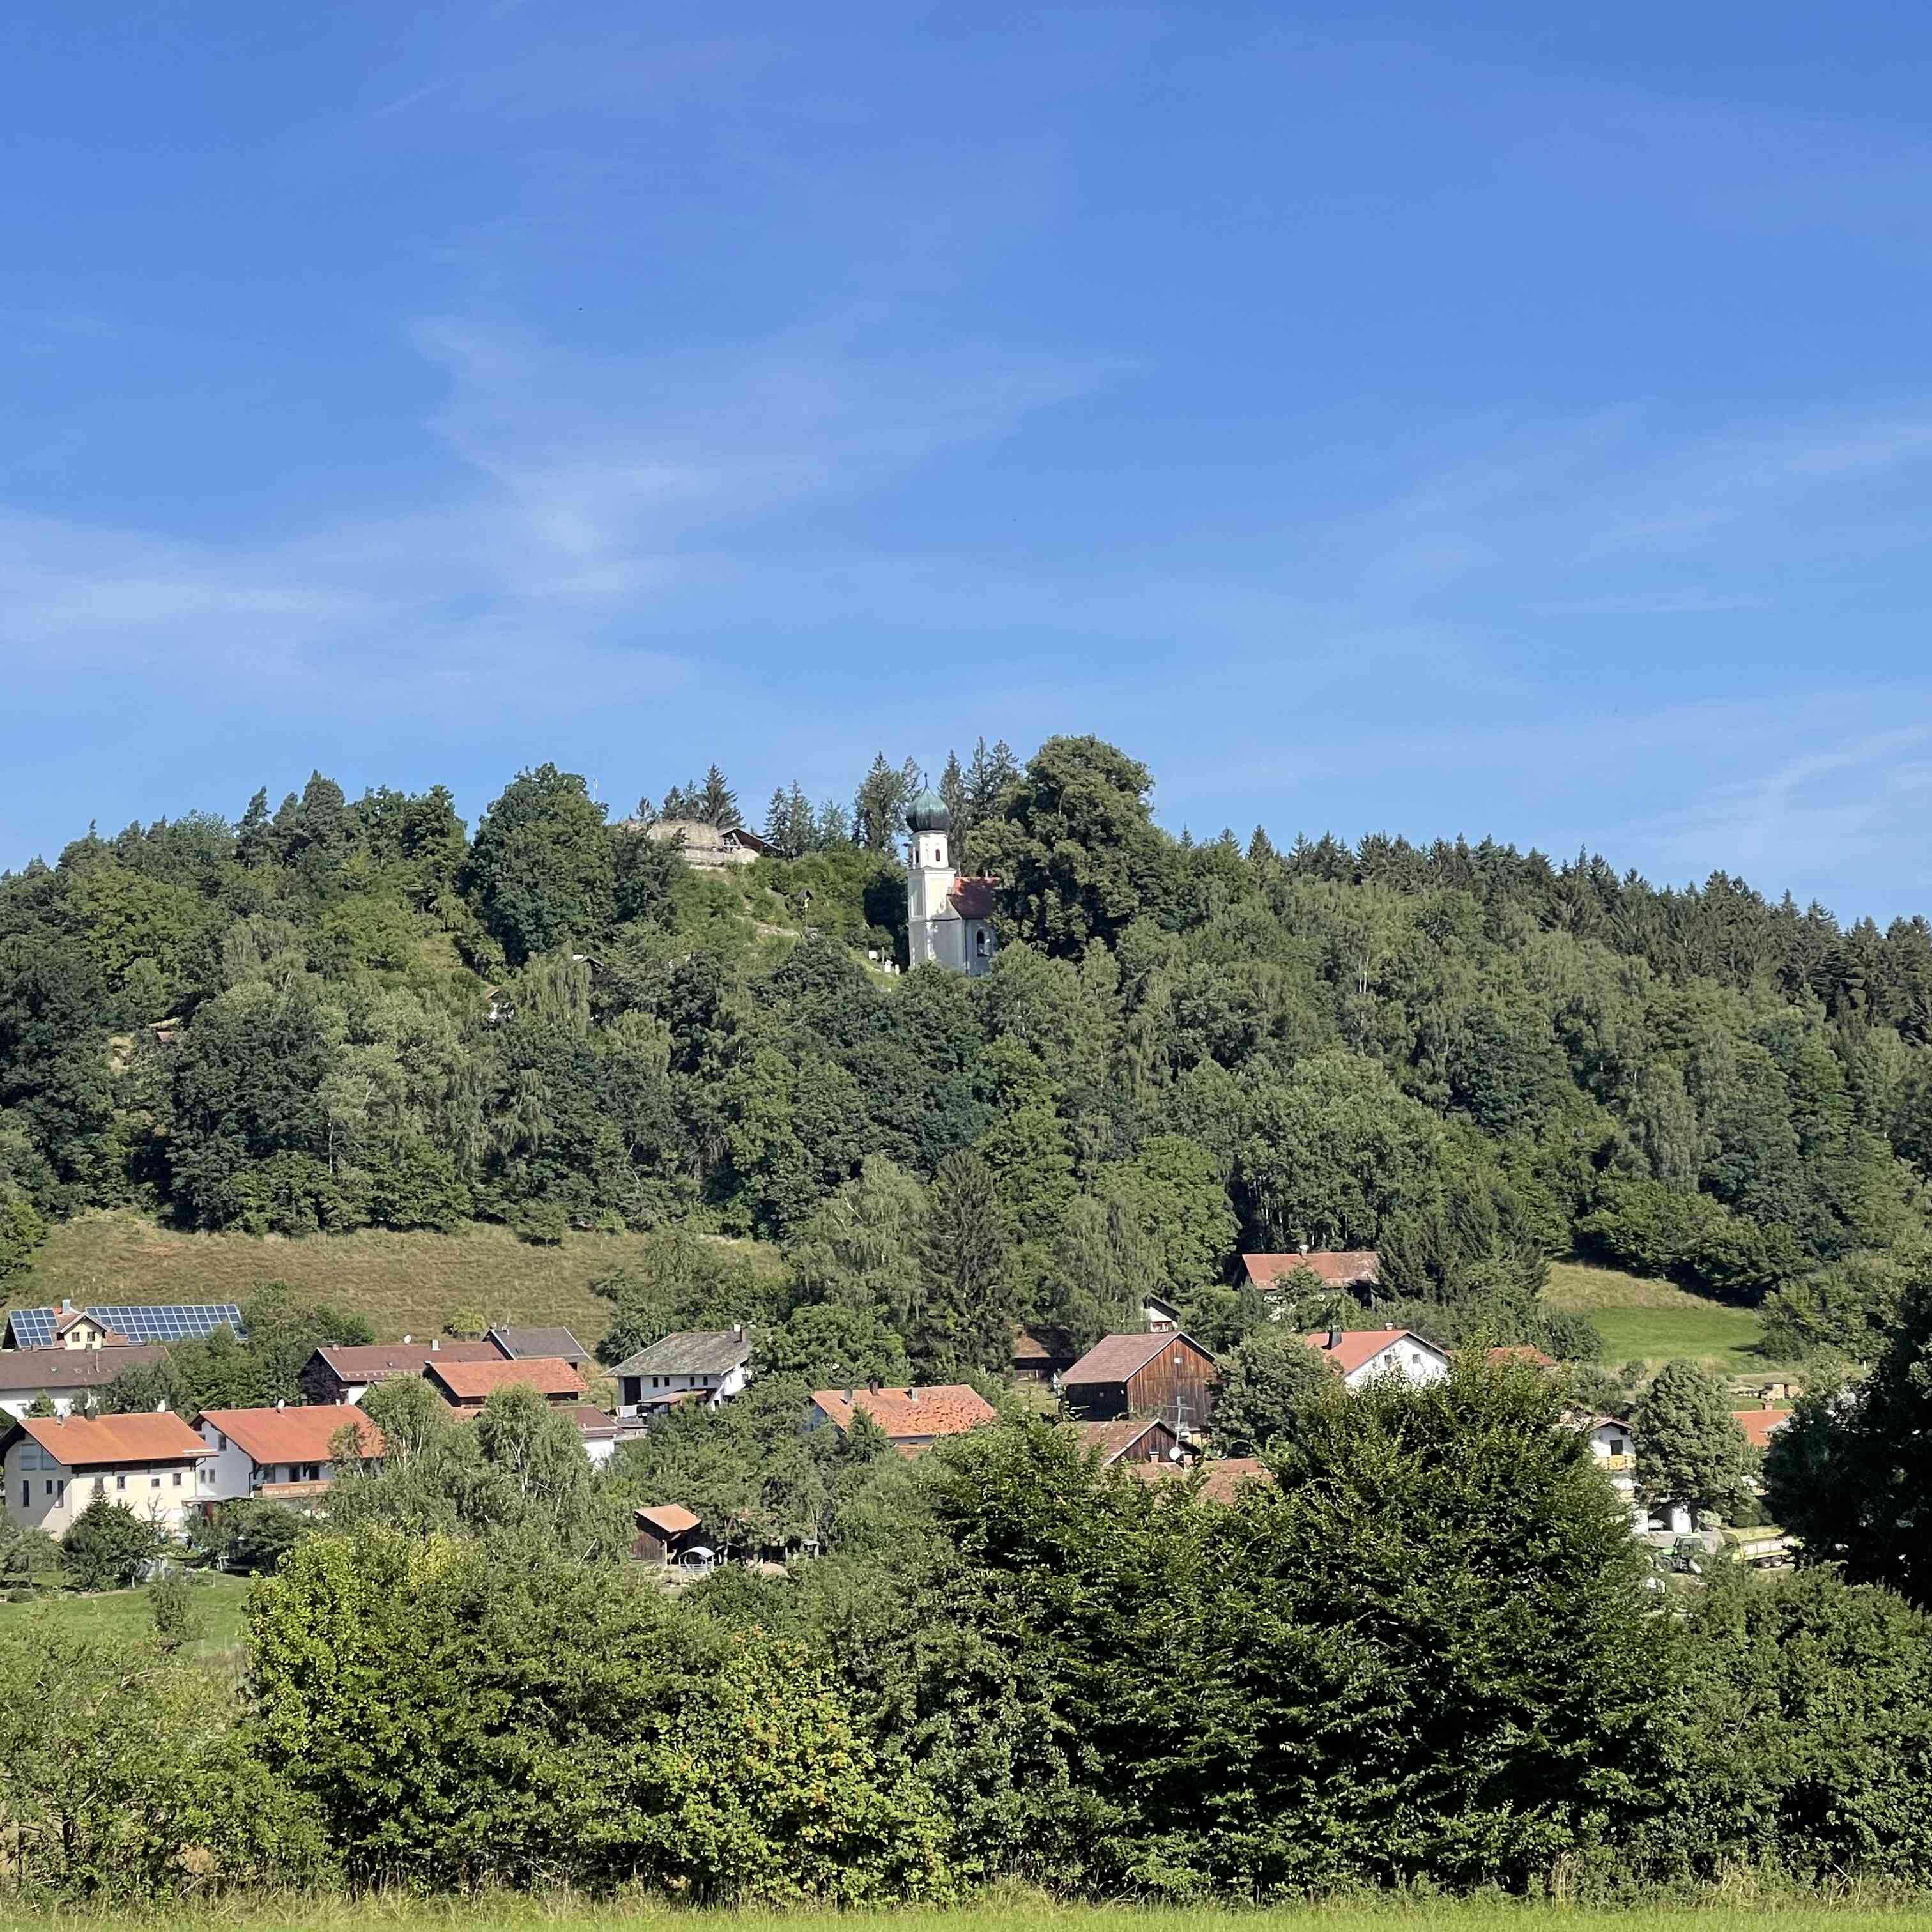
341, 1014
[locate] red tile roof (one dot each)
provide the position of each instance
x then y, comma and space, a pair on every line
1041, 1347
1114, 1358
1338, 1268
94, 1442
383, 1359
976, 899
293, 1434
1357, 1347
1521, 1352
950, 1408
472, 1382
1760, 1425
1221, 1481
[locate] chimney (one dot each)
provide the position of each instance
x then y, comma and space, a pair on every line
407, 1339
1334, 1334
1304, 1247
435, 1345
67, 1306
161, 1407
281, 1403
912, 1395
737, 1331
872, 1383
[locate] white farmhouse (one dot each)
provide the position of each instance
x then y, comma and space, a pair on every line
275, 1455
1361, 1355
56, 1467
705, 1365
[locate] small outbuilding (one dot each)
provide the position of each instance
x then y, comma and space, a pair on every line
1166, 1374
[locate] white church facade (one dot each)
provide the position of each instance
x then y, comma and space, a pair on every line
948, 918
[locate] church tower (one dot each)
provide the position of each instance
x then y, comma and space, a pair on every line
932, 924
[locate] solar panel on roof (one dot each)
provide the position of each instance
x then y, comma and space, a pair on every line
163, 1321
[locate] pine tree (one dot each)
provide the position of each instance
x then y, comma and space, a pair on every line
953, 790
878, 806
1259, 847
833, 827
717, 803
776, 831
801, 834
987, 777
253, 843
969, 1310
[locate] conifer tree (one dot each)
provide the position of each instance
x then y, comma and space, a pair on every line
717, 803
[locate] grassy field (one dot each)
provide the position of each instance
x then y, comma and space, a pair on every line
1030, 1915
1651, 1321
405, 1284
127, 1613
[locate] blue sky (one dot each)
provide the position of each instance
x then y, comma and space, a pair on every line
1503, 419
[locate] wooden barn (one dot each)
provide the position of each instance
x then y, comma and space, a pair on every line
1168, 1375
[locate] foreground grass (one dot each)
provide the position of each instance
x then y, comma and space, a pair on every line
404, 1284
127, 1615
1652, 1321
1718, 1914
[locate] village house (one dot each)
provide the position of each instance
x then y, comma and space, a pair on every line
1614, 1448
281, 1454
665, 1530
1041, 1353
1361, 1355
56, 1467
705, 848
1333, 1268
1166, 1374
333, 1374
1131, 1438
467, 1386
912, 1418
1159, 1317
70, 1378
518, 1344
125, 1326
705, 1365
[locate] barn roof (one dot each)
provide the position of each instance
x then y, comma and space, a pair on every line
1114, 1358
518, 1342
1116, 1439
691, 1351
471, 1381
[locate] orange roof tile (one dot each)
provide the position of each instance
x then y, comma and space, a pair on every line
471, 1381
94, 1442
666, 1519
1760, 1425
1222, 1479
950, 1408
1128, 1439
1338, 1268
297, 1435
1357, 1347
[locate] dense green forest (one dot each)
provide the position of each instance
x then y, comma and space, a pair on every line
344, 1013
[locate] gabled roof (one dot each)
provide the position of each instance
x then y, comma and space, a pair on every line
54, 1371
1338, 1268
666, 1519
516, 1343
383, 1360
948, 1408
1356, 1348
1760, 1425
161, 1321
691, 1351
295, 1435
473, 1381
1042, 1345
1114, 1358
1521, 1351
102, 1441
1128, 1439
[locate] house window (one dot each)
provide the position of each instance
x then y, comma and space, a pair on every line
120, 1482
177, 1479
154, 1482
26, 1494
50, 1489
220, 1441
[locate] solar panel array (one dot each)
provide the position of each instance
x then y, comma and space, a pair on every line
166, 1321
